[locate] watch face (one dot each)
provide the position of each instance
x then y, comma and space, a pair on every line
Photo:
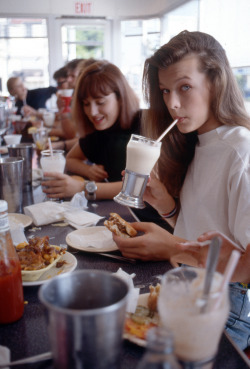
91, 187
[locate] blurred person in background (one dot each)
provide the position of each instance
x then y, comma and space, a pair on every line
68, 126
60, 76
68, 129
28, 101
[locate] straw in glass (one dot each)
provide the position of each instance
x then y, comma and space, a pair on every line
50, 147
167, 130
234, 258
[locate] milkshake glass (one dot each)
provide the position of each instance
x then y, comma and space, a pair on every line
52, 163
142, 154
197, 331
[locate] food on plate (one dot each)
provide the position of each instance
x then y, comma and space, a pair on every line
137, 324
37, 256
119, 226
153, 297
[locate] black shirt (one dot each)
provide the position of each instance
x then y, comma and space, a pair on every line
108, 147
36, 98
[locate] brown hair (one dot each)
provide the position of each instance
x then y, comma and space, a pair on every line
102, 77
60, 73
227, 102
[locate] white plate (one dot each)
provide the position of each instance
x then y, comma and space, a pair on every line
3, 149
142, 301
95, 235
70, 265
25, 220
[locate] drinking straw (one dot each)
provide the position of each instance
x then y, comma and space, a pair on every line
167, 130
227, 276
50, 147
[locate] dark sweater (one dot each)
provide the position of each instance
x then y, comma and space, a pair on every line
108, 147
36, 98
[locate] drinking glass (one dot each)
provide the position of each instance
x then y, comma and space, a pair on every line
197, 331
52, 161
40, 138
142, 154
66, 96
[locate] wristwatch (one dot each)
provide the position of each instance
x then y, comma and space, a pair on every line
90, 190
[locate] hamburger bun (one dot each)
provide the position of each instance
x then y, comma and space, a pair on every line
119, 226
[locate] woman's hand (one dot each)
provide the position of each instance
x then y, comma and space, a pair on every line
155, 244
199, 252
97, 173
62, 185
157, 196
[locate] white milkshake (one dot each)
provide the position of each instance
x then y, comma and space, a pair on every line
55, 163
142, 154
196, 333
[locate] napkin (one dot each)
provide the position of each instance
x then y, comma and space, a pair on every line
45, 212
4, 355
17, 233
50, 212
133, 293
98, 240
79, 200
80, 218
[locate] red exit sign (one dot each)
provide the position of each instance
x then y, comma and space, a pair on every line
83, 7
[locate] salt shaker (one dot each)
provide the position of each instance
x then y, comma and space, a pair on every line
159, 351
11, 289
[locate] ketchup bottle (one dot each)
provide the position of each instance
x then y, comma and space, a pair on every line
11, 289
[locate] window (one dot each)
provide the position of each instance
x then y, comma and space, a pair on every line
24, 51
140, 38
82, 41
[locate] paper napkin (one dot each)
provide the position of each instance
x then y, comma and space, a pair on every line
4, 355
99, 239
80, 218
134, 292
45, 212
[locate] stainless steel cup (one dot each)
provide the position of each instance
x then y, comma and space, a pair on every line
11, 183
133, 187
24, 150
86, 312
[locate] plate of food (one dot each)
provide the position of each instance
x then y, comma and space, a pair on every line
16, 218
41, 261
92, 239
145, 317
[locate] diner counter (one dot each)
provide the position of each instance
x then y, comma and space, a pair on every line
29, 336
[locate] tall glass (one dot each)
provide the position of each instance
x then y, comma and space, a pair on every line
52, 162
40, 138
197, 324
142, 154
66, 96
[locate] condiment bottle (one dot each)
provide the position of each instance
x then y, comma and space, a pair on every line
159, 351
11, 289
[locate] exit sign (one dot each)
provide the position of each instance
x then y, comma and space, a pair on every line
83, 7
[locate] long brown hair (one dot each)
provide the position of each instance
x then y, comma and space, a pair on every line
103, 78
227, 102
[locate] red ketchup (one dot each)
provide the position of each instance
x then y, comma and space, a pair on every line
11, 289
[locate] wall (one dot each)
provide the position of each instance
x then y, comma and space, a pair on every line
95, 8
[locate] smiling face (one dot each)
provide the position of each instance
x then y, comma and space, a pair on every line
102, 111
186, 93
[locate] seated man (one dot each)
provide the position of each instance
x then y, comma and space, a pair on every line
28, 101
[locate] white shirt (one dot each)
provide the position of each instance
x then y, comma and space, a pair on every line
216, 191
